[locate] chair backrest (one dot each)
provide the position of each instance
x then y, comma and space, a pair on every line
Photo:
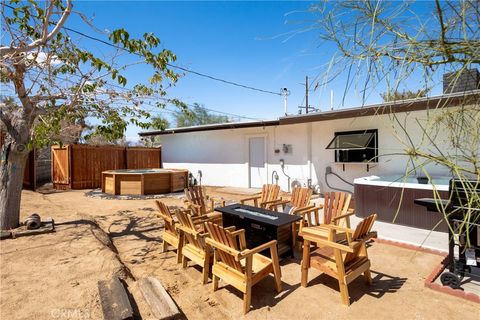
270, 192
189, 229
164, 212
364, 227
195, 195
361, 231
226, 238
301, 197
336, 204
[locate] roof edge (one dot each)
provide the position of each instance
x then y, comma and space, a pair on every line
212, 127
369, 110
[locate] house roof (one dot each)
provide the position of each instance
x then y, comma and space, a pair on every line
211, 127
447, 100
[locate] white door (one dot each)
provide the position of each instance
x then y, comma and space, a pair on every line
257, 162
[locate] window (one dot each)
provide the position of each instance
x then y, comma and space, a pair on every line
355, 146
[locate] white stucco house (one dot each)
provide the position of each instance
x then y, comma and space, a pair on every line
315, 148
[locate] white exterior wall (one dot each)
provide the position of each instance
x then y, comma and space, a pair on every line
222, 155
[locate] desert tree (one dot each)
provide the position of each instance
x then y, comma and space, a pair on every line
392, 44
49, 79
197, 115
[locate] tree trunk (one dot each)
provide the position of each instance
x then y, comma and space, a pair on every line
12, 166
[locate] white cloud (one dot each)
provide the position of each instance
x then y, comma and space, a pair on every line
42, 57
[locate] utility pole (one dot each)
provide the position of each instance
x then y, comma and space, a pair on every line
306, 94
306, 107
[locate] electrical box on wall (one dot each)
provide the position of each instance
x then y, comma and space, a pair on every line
287, 148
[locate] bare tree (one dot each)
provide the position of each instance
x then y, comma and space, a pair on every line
49, 80
387, 44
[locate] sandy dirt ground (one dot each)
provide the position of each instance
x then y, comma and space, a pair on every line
54, 276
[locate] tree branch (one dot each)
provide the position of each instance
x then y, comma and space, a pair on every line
45, 37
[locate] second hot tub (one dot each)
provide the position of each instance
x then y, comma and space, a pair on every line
144, 181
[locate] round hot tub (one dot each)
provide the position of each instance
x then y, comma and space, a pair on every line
144, 181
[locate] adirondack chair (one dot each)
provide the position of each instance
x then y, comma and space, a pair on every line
298, 204
170, 236
336, 208
201, 204
238, 266
269, 196
299, 200
335, 211
194, 247
344, 261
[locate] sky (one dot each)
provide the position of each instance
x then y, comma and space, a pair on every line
245, 42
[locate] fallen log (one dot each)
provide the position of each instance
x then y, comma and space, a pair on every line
114, 300
160, 302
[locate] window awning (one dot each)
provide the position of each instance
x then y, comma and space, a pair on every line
351, 141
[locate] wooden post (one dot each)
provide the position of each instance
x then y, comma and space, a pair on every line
247, 296
160, 157
305, 262
69, 166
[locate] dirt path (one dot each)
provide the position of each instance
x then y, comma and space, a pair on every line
54, 276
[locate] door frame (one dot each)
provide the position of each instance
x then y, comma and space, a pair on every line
247, 154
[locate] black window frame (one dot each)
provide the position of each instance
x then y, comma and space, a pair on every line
367, 154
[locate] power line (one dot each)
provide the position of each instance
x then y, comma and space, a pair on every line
168, 100
168, 64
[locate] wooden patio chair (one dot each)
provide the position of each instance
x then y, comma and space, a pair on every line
269, 196
170, 236
201, 204
299, 203
194, 247
336, 211
344, 261
238, 266
300, 200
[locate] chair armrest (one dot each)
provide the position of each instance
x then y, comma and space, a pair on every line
200, 219
303, 210
338, 228
348, 214
327, 227
321, 241
242, 201
265, 203
183, 229
235, 253
231, 228
306, 211
258, 249
217, 200
277, 203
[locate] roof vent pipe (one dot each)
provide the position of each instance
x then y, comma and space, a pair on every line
285, 93
331, 99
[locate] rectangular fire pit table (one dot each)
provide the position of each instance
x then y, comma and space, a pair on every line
261, 226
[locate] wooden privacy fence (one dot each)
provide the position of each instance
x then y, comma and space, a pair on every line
78, 166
